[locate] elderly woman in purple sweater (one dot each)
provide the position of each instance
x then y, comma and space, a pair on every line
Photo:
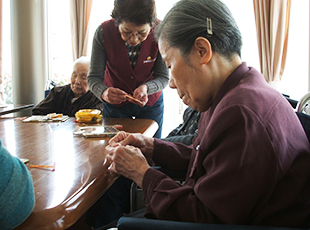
249, 163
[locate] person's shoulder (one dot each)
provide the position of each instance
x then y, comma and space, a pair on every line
59, 91
189, 111
107, 24
109, 21
90, 94
61, 88
16, 190
7, 160
98, 35
156, 23
99, 29
6, 163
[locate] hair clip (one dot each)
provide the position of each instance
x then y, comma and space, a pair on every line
209, 27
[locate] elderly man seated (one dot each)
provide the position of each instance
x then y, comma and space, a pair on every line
68, 99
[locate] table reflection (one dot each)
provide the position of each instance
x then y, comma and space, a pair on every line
64, 159
81, 175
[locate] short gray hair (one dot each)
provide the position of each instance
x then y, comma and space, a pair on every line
187, 20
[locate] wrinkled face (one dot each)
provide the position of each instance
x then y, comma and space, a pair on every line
132, 34
191, 82
79, 79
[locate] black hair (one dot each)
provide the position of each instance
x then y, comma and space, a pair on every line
137, 12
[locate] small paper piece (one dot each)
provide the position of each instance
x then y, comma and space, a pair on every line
42, 118
97, 131
24, 160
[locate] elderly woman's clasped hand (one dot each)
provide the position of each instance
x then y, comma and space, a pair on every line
128, 154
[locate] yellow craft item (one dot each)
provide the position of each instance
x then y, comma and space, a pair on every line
88, 116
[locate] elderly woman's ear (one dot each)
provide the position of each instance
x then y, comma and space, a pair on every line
204, 49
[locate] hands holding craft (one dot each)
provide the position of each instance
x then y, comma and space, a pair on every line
117, 96
128, 154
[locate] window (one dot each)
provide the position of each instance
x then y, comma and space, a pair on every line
101, 11
246, 24
295, 81
6, 52
59, 41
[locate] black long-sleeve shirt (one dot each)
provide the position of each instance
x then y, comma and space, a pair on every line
61, 100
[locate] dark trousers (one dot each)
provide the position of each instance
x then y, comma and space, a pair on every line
112, 205
130, 110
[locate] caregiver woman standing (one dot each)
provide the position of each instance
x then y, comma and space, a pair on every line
125, 61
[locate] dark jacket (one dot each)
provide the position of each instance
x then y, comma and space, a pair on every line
186, 131
59, 100
248, 165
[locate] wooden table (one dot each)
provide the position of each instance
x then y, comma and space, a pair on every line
81, 175
10, 108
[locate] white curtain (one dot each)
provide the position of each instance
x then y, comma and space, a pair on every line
79, 15
272, 26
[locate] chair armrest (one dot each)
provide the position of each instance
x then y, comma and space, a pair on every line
129, 223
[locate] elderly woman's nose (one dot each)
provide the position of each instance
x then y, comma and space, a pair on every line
78, 80
134, 38
171, 83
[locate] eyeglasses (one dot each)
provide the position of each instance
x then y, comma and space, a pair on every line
139, 35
